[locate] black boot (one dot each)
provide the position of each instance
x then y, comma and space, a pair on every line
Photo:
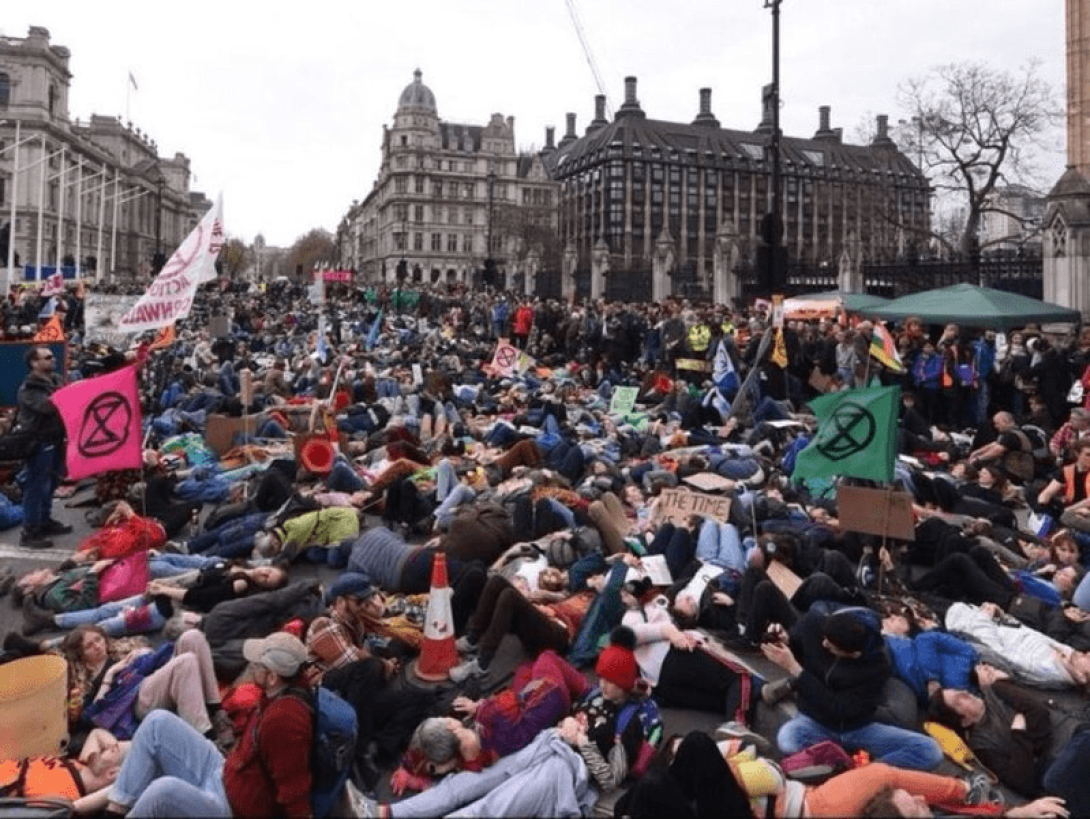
34, 538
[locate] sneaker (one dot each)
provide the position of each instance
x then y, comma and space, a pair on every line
736, 730
467, 670
55, 527
35, 617
465, 645
773, 692
34, 539
982, 790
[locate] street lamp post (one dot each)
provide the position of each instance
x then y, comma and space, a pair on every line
489, 262
773, 270
158, 262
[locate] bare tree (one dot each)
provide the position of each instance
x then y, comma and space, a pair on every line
234, 258
975, 128
310, 250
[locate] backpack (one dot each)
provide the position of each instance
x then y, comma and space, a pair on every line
817, 762
647, 711
333, 748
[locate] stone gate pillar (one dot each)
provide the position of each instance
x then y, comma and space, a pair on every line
662, 266
599, 268
571, 261
530, 268
724, 264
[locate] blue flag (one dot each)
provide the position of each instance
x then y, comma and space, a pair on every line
724, 375
372, 334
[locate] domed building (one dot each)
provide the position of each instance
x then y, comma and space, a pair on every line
443, 191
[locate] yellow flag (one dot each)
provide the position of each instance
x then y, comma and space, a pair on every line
779, 350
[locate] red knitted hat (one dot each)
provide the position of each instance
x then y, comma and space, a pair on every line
617, 663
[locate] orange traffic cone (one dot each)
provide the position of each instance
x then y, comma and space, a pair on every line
437, 653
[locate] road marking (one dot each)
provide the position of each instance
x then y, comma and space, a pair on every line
44, 555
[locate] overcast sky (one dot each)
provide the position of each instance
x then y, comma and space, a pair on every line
281, 106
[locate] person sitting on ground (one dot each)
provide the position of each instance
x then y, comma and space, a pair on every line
838, 666
338, 644
172, 770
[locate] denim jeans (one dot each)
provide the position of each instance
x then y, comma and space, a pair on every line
42, 473
1069, 772
143, 616
886, 743
232, 539
721, 545
171, 770
448, 509
343, 478
172, 565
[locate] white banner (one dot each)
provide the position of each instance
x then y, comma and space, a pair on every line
170, 296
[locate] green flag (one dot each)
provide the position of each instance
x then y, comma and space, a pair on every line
856, 435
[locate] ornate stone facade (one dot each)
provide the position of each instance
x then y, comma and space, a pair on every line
443, 189
75, 182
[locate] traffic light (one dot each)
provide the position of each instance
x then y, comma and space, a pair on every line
402, 270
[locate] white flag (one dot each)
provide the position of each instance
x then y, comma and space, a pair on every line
170, 296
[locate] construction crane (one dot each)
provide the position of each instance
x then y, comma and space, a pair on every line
589, 55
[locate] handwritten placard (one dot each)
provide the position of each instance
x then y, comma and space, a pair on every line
678, 505
624, 399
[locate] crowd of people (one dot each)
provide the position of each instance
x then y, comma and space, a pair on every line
372, 434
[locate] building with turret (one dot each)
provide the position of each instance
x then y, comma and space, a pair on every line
448, 198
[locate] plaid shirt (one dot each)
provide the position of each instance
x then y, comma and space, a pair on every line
334, 644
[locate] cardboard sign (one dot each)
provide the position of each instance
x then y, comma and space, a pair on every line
678, 505
777, 312
694, 364
881, 512
624, 398
783, 578
709, 482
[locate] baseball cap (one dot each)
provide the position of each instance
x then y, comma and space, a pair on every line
280, 652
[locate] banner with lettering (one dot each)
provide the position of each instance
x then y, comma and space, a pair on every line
170, 296
102, 418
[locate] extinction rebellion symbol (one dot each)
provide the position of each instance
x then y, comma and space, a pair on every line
505, 356
105, 426
849, 430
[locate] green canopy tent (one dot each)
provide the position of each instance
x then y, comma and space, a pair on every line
972, 306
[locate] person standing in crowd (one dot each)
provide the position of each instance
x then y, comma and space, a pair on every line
38, 415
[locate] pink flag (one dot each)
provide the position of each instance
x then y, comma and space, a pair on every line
102, 418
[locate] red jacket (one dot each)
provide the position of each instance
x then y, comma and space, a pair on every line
523, 321
268, 771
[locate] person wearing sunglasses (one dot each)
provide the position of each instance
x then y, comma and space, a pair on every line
38, 415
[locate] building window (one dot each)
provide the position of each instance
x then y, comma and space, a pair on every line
401, 213
418, 241
5, 90
467, 243
468, 216
469, 190
418, 213
401, 184
420, 184
452, 242
437, 190
437, 241
399, 241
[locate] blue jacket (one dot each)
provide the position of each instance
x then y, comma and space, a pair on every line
931, 655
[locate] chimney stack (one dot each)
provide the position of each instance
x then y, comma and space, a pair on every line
881, 139
706, 117
631, 107
550, 136
824, 132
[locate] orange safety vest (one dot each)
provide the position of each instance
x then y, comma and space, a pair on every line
1069, 484
40, 776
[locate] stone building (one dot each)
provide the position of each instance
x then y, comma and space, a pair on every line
443, 191
96, 193
1012, 219
666, 206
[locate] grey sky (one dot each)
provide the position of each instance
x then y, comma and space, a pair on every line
281, 106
